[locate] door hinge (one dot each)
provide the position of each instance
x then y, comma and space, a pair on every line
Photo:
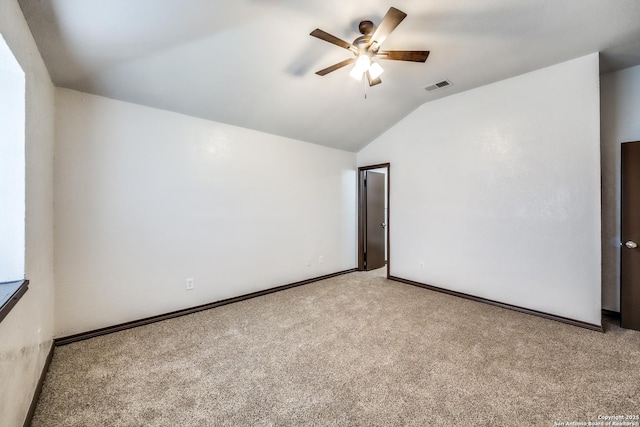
365, 182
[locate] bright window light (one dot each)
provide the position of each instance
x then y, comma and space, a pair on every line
12, 166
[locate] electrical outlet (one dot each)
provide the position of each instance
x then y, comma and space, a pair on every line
190, 284
321, 259
421, 265
308, 262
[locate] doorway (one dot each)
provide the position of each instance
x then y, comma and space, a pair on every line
373, 217
630, 237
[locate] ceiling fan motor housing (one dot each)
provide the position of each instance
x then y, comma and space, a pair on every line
362, 43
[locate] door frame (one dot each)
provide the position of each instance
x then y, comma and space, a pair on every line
362, 208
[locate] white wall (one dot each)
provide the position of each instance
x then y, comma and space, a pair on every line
620, 116
496, 190
26, 333
146, 198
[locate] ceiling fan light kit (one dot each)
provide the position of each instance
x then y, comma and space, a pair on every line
364, 65
367, 47
375, 70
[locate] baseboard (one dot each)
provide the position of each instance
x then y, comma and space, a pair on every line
38, 390
133, 324
612, 314
561, 319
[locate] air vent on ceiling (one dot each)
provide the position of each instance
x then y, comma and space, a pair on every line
438, 85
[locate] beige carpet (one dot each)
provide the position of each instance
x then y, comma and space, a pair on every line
356, 350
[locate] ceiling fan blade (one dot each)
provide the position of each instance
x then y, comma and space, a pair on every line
389, 23
373, 82
322, 35
404, 55
336, 66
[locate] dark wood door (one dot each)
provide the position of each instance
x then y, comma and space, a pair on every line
630, 237
375, 221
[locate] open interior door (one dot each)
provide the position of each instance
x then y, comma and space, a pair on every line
375, 220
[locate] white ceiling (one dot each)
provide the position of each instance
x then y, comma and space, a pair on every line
251, 63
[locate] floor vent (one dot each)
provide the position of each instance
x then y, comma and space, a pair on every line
438, 85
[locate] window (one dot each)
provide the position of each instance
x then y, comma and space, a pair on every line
12, 179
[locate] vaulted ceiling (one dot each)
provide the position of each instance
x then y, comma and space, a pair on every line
252, 63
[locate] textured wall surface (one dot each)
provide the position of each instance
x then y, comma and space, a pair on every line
620, 115
146, 198
26, 333
497, 191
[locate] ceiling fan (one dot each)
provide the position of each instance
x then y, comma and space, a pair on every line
367, 47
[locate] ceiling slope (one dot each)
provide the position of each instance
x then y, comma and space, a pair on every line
251, 63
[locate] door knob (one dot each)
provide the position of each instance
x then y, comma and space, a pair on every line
631, 244
383, 225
